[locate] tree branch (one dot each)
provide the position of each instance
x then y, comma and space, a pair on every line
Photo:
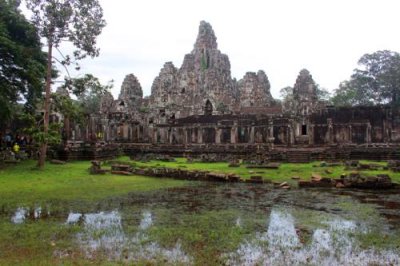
65, 67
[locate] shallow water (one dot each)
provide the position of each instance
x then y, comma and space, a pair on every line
235, 224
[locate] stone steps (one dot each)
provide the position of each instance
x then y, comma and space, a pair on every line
298, 157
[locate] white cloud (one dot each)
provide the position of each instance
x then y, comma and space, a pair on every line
280, 37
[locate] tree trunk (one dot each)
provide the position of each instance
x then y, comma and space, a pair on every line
43, 145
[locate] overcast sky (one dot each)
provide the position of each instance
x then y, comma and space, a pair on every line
280, 37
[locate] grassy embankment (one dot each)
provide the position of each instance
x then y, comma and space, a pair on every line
23, 184
285, 172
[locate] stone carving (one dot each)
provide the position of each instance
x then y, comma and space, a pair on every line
106, 103
199, 109
131, 92
305, 93
203, 79
254, 90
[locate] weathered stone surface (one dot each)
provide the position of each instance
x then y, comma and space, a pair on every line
254, 90
198, 109
106, 103
203, 84
131, 92
121, 168
57, 162
354, 180
95, 169
304, 99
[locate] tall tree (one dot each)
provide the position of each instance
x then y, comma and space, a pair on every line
376, 81
79, 22
22, 62
380, 74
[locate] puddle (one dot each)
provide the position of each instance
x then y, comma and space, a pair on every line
103, 232
73, 218
267, 226
146, 221
19, 216
281, 245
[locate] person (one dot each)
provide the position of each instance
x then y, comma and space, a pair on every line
16, 150
8, 140
22, 141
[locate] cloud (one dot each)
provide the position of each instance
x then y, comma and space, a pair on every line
280, 37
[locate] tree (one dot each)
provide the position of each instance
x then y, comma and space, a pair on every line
88, 90
22, 62
377, 81
350, 93
322, 93
380, 75
79, 22
288, 102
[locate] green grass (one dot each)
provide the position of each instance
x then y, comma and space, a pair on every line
23, 184
207, 233
60, 186
285, 172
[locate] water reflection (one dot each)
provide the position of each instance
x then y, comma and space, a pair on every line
23, 213
19, 216
281, 245
270, 226
103, 232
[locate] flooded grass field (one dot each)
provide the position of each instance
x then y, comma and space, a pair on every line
209, 224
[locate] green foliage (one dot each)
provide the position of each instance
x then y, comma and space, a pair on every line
68, 107
88, 90
377, 81
322, 93
22, 62
77, 21
288, 101
350, 93
34, 128
85, 86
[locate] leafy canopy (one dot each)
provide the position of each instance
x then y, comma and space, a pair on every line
22, 62
377, 81
75, 21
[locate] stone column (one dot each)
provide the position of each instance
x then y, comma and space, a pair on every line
368, 133
270, 130
170, 136
199, 135
330, 131
218, 135
234, 135
311, 135
138, 133
252, 134
193, 137
185, 136
350, 134
153, 137
289, 138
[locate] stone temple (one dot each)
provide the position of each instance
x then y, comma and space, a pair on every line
198, 109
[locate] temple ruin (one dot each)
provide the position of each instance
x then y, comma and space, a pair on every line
199, 108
